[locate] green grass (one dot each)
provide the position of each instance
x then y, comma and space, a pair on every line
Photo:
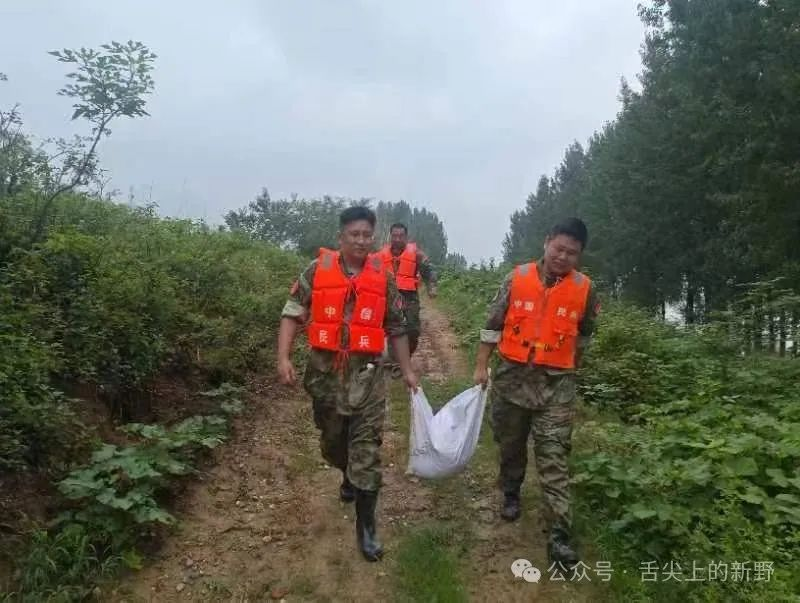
427, 566
62, 566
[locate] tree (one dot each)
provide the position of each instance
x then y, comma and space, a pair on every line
455, 261
17, 156
693, 188
106, 84
305, 225
302, 225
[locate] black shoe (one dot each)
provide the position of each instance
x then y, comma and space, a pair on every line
511, 507
368, 542
560, 549
346, 491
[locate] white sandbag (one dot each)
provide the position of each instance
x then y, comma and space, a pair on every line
442, 444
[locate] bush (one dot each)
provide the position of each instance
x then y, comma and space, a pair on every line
37, 426
115, 498
114, 297
124, 292
467, 294
704, 466
119, 487
634, 359
690, 452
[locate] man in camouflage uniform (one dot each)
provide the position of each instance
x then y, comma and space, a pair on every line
411, 305
348, 391
530, 398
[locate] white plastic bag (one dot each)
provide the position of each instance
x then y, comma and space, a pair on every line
442, 444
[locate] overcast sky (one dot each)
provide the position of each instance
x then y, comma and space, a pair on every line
455, 105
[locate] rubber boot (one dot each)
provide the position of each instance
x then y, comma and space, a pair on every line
511, 507
366, 535
560, 549
346, 491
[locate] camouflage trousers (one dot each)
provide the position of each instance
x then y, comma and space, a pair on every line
527, 401
411, 309
352, 442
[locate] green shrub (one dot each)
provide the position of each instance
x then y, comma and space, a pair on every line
37, 426
64, 565
115, 497
705, 465
119, 487
467, 294
690, 452
116, 296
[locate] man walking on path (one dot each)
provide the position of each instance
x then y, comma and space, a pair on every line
409, 265
540, 321
350, 304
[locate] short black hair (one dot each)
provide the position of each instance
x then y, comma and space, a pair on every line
572, 227
399, 225
356, 213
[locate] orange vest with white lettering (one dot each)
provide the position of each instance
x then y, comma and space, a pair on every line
329, 293
541, 324
406, 275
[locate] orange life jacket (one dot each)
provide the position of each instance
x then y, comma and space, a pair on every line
330, 290
544, 320
406, 275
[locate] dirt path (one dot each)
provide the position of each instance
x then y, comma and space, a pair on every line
472, 500
266, 523
438, 357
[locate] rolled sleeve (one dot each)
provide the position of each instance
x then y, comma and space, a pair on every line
490, 336
298, 304
293, 309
